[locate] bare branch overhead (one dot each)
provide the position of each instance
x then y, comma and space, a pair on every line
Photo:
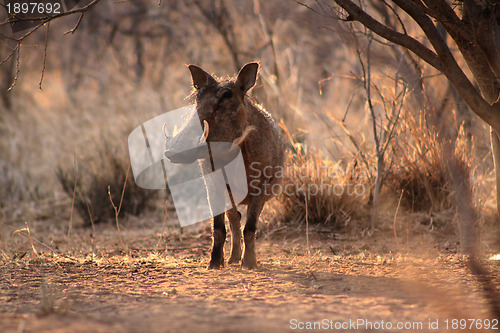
357, 14
441, 58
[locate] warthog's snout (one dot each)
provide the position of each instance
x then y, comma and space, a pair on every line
186, 146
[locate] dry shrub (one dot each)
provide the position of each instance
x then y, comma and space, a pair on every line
14, 186
422, 175
108, 171
321, 191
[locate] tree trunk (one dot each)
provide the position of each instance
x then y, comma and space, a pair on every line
487, 34
495, 150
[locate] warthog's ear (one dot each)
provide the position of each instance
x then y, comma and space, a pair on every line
247, 76
200, 77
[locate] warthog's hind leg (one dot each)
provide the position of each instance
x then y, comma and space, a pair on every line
218, 239
234, 221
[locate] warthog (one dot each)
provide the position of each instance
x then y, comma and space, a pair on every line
227, 114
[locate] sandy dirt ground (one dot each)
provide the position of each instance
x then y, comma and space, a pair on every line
153, 284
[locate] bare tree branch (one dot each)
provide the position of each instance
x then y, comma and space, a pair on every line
357, 14
53, 17
443, 59
44, 55
463, 34
42, 21
450, 66
72, 31
18, 67
441, 11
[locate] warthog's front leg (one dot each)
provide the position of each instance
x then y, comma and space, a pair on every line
218, 239
234, 221
255, 206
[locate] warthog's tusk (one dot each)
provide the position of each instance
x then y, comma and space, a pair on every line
243, 136
206, 129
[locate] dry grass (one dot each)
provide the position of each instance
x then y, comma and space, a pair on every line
321, 191
96, 182
93, 96
106, 99
421, 172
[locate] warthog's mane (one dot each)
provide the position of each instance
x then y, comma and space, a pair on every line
263, 111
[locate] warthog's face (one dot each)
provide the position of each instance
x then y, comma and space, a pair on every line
221, 111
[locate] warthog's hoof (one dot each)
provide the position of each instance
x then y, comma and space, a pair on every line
215, 264
234, 258
249, 261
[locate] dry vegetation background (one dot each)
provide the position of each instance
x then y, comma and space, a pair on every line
126, 64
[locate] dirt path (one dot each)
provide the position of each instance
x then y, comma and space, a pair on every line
342, 286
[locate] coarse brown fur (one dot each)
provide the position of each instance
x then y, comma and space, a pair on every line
233, 117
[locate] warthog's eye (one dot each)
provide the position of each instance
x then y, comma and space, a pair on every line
227, 94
